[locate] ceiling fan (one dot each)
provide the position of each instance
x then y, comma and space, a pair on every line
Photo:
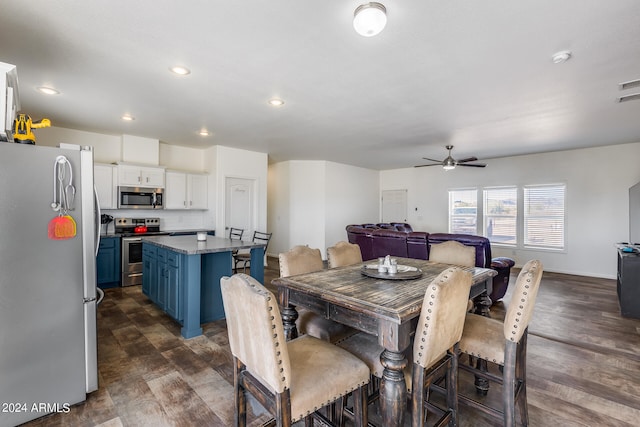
450, 163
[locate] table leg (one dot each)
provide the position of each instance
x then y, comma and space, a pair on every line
393, 388
289, 315
482, 307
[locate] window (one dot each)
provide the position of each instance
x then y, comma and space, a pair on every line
531, 216
501, 215
463, 211
544, 216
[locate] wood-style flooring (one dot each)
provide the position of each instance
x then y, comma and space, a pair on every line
583, 364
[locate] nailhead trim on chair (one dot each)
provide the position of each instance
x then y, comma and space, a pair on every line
523, 300
275, 337
432, 295
328, 402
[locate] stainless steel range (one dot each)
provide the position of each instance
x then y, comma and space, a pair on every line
132, 230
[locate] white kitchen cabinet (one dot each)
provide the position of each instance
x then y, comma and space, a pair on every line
185, 191
140, 176
105, 178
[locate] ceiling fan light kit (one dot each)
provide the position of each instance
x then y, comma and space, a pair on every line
450, 163
369, 19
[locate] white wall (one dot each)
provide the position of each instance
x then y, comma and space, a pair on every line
597, 179
234, 163
311, 202
182, 158
353, 196
106, 148
279, 207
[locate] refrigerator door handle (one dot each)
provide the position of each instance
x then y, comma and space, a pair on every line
97, 218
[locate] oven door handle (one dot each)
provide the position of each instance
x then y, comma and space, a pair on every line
132, 239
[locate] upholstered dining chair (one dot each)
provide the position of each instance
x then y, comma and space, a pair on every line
292, 380
300, 260
342, 254
245, 257
452, 252
504, 344
435, 346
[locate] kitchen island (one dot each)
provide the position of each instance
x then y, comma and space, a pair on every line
182, 276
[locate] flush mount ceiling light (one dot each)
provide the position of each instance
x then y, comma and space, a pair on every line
276, 102
204, 132
561, 57
128, 118
180, 70
47, 90
369, 19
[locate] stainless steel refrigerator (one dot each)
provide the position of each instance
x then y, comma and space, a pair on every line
48, 346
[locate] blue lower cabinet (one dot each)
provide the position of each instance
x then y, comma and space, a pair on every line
173, 288
173, 280
108, 263
161, 280
150, 271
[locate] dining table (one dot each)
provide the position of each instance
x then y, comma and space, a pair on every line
385, 305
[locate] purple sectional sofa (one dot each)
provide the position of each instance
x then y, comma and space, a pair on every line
399, 239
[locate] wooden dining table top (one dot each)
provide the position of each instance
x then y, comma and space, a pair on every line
392, 300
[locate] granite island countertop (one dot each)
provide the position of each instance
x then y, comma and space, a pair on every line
191, 246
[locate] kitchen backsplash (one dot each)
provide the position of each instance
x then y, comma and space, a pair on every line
169, 220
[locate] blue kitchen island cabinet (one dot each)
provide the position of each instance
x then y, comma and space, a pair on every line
182, 276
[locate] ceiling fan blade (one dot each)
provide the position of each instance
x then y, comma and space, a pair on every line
432, 164
433, 160
468, 159
475, 165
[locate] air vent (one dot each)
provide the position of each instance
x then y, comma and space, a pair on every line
632, 97
629, 85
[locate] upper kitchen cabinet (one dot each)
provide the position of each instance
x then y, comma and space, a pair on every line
140, 176
185, 190
105, 178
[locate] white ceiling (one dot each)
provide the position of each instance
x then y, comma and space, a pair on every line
474, 74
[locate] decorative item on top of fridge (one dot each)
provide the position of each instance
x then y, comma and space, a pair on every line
22, 128
63, 226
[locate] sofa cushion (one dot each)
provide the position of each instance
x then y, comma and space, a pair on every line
389, 242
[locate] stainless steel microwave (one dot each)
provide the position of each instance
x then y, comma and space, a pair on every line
140, 198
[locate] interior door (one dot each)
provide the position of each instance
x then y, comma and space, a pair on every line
239, 206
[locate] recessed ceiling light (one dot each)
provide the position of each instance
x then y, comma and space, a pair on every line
276, 102
204, 132
560, 57
47, 90
180, 70
128, 118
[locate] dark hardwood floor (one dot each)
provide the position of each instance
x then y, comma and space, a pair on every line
583, 364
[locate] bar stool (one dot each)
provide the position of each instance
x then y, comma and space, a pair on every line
292, 380
435, 346
504, 344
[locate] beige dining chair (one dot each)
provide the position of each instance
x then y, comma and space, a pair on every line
342, 254
504, 344
293, 379
435, 346
300, 260
452, 252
